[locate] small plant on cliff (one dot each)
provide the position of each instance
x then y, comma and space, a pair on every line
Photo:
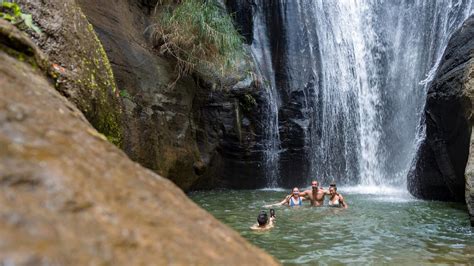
199, 35
12, 12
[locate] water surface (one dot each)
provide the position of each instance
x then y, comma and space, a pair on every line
380, 226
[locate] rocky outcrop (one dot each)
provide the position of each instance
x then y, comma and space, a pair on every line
438, 170
81, 68
69, 197
198, 133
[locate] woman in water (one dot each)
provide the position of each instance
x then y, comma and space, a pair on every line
336, 199
292, 200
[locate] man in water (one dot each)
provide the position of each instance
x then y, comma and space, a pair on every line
263, 223
315, 195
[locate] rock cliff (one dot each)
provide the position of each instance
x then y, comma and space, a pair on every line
201, 133
69, 197
438, 171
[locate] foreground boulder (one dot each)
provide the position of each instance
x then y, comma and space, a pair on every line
438, 171
69, 197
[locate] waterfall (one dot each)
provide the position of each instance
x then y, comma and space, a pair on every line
262, 56
347, 83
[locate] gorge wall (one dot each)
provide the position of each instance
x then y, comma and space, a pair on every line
294, 117
199, 133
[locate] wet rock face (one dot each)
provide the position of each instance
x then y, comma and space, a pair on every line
438, 170
289, 56
242, 12
69, 197
196, 133
229, 135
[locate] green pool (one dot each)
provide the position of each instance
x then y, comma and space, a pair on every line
381, 226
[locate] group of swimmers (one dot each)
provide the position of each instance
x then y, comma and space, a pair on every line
315, 196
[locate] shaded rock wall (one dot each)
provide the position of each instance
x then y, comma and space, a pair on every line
242, 13
438, 170
199, 133
69, 197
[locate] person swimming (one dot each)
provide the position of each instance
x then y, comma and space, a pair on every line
336, 199
263, 222
292, 200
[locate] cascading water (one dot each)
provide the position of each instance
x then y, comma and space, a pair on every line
263, 59
349, 78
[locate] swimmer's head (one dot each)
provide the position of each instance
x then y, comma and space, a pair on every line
296, 191
332, 190
314, 184
262, 218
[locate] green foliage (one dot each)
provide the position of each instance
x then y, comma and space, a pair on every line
199, 35
12, 13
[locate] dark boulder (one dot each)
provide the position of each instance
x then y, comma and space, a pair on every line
438, 170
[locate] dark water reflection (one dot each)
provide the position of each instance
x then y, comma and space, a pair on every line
390, 229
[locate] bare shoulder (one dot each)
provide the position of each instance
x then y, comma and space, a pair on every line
258, 228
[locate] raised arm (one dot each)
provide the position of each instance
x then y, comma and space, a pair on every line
305, 194
283, 202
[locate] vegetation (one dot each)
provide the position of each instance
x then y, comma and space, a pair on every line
12, 13
199, 35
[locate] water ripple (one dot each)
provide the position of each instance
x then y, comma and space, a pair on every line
369, 232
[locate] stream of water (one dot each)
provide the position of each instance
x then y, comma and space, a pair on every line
381, 226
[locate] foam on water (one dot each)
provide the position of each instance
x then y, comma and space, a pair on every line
377, 193
273, 189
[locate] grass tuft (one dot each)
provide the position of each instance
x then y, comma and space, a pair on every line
199, 35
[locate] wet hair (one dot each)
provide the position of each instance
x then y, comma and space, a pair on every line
262, 218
